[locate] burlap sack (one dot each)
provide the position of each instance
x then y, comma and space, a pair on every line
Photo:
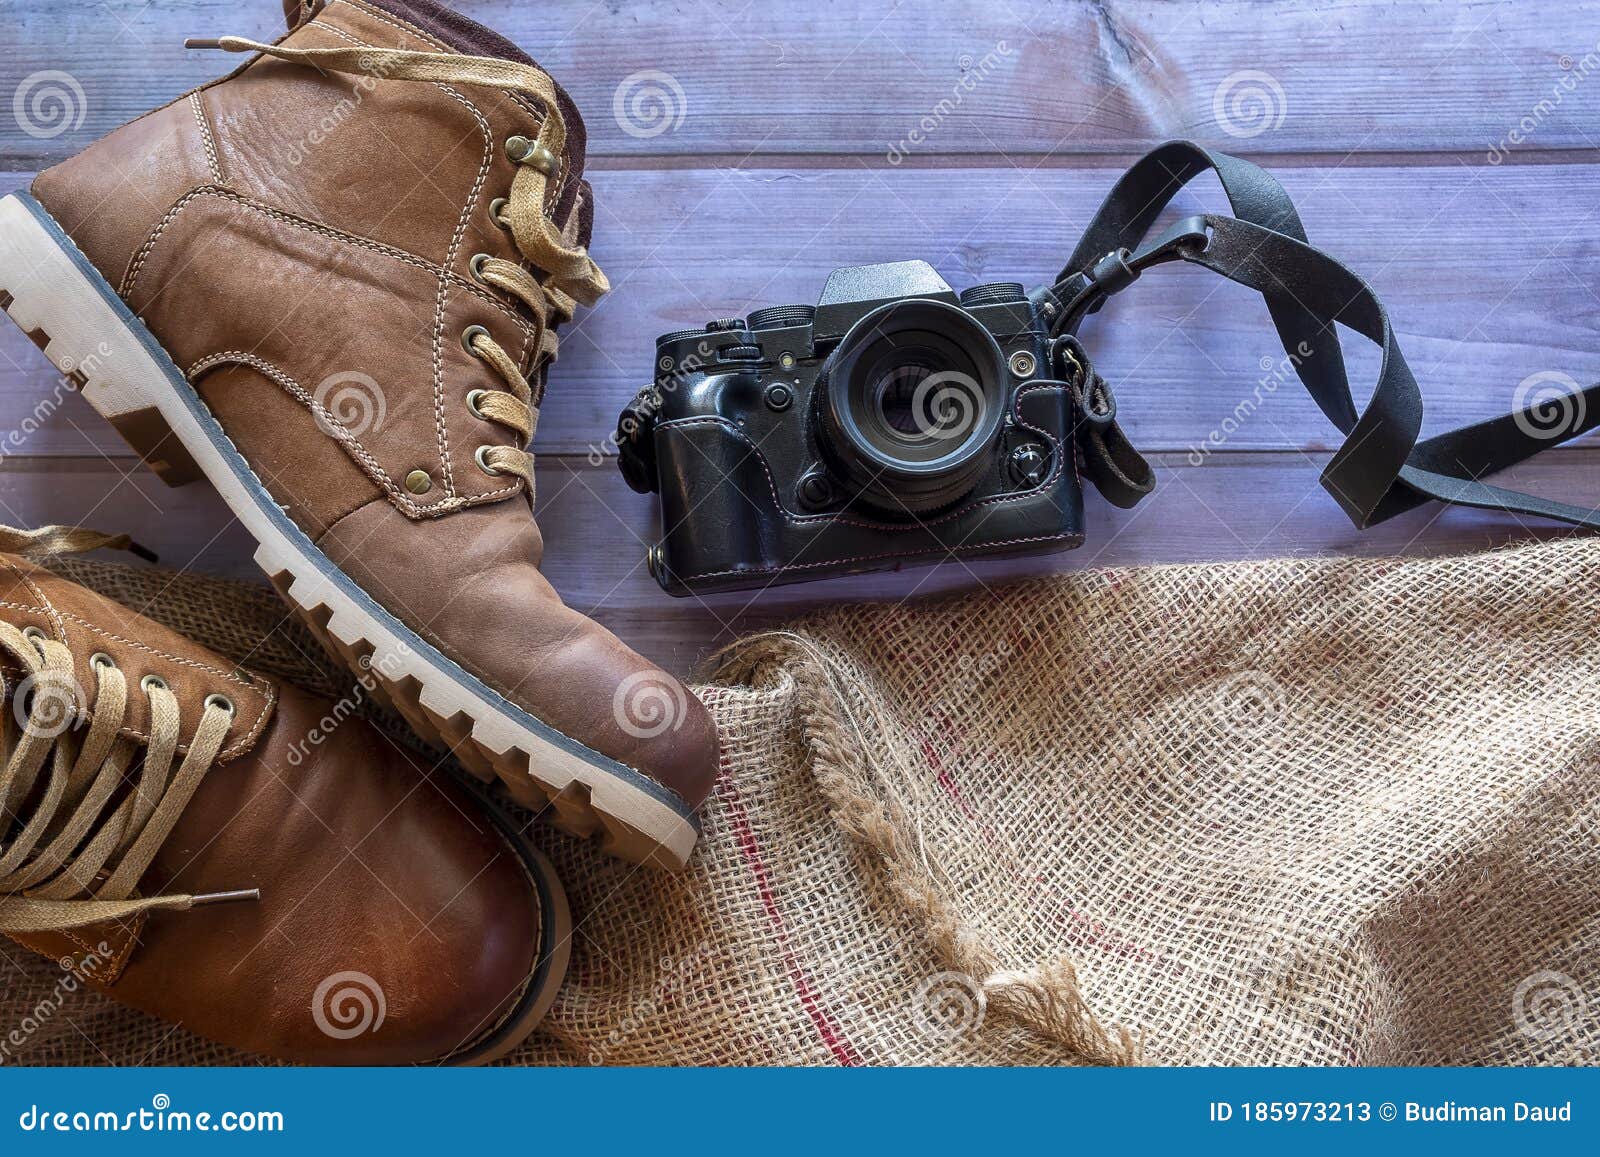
1309, 811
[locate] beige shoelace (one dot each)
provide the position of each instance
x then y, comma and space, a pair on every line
64, 862
571, 274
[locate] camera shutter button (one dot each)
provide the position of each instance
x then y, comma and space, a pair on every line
724, 323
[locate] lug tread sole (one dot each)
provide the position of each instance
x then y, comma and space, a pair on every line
582, 799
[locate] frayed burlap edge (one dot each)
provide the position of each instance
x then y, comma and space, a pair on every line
841, 731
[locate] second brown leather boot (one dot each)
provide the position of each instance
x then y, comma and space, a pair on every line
205, 846
336, 296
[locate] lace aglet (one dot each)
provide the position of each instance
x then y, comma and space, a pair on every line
143, 552
222, 43
225, 897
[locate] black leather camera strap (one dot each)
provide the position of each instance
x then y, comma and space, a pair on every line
1381, 469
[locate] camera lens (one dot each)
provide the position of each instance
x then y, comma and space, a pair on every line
910, 405
900, 405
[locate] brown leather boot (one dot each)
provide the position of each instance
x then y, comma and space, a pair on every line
331, 282
203, 846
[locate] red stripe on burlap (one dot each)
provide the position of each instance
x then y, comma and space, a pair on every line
827, 1027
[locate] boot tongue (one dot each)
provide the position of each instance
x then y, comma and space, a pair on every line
460, 32
467, 36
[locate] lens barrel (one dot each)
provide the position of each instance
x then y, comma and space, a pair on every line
910, 403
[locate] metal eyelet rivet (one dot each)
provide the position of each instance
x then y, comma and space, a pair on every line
482, 459
476, 266
544, 160
153, 682
101, 661
418, 482
473, 398
1022, 363
471, 334
497, 212
222, 701
523, 151
36, 635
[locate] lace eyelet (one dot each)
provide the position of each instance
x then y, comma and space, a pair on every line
100, 661
523, 151
475, 267
222, 701
35, 635
473, 398
497, 213
469, 335
482, 459
153, 682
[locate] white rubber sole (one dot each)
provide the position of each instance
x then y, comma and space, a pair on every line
56, 296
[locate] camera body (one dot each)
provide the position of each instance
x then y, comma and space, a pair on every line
893, 424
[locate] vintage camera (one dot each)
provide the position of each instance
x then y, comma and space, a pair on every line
894, 424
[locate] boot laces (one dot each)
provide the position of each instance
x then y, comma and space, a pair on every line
71, 854
571, 276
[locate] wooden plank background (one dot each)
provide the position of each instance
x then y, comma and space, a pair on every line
1444, 150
